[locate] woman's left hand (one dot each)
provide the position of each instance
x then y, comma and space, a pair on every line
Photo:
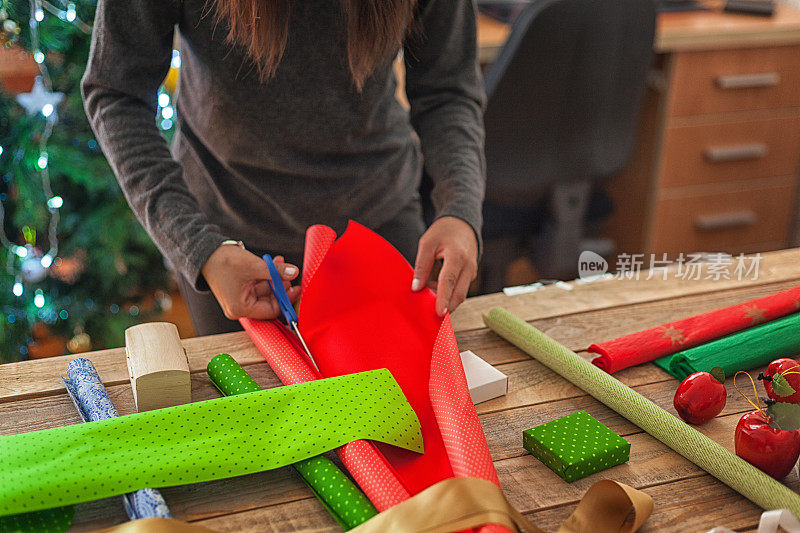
452, 240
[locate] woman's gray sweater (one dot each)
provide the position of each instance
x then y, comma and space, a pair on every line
261, 161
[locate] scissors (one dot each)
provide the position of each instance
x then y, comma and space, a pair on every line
286, 306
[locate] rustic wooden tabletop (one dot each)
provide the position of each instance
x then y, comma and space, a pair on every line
686, 498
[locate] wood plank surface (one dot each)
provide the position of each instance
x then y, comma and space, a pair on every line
549, 309
687, 499
575, 331
554, 301
41, 376
579, 330
671, 509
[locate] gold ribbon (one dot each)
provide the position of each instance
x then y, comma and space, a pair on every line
457, 504
157, 525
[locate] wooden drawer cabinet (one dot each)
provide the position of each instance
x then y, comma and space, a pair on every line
720, 81
715, 168
727, 151
736, 219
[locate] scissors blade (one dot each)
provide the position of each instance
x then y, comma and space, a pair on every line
287, 309
305, 346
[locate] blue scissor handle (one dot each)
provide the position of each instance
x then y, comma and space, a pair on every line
280, 293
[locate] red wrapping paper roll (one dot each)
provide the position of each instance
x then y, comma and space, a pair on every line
667, 339
369, 468
358, 312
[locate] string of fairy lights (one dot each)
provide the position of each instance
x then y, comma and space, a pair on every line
41, 100
33, 265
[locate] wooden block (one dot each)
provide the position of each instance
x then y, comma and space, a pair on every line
157, 365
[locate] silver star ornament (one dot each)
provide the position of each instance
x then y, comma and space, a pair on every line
38, 100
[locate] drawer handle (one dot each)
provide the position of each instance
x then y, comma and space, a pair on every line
749, 81
737, 219
723, 154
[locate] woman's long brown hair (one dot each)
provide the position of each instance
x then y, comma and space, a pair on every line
375, 29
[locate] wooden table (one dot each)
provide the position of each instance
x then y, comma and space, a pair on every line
687, 499
699, 30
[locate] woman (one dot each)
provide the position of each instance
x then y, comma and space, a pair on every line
287, 117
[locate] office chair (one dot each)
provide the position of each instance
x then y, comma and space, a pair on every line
562, 110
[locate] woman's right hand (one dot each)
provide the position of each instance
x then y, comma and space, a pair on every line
238, 279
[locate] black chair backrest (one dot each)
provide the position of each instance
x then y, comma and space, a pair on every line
564, 95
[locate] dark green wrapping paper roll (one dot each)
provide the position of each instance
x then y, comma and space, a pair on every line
343, 499
749, 348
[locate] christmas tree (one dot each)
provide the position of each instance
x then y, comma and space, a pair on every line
76, 264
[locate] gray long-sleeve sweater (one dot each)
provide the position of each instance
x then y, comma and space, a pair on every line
261, 161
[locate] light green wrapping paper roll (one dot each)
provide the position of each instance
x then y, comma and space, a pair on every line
742, 477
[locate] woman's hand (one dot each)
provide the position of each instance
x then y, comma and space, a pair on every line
452, 240
238, 279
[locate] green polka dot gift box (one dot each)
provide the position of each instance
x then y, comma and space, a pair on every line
576, 445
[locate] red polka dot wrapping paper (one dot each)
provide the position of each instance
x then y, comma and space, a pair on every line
358, 312
667, 339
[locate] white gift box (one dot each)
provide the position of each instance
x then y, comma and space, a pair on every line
485, 382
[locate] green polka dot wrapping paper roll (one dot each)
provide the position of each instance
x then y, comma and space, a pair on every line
576, 446
340, 496
56, 520
202, 441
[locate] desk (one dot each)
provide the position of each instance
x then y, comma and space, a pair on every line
492, 35
690, 30
716, 161
686, 498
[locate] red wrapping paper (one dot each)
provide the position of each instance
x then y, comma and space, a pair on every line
357, 313
667, 339
369, 468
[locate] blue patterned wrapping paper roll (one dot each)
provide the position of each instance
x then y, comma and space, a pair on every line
88, 392
92, 402
145, 503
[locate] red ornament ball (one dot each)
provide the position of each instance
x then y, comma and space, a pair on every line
699, 398
782, 376
773, 450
